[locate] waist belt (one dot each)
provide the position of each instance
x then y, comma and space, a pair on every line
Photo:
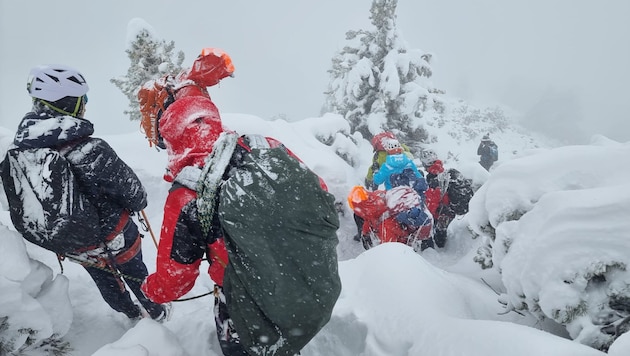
124, 219
100, 255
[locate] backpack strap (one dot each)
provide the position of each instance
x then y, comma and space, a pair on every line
211, 177
254, 141
69, 146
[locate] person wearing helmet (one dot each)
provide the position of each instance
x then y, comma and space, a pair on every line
380, 155
398, 169
447, 195
57, 122
427, 157
192, 131
488, 152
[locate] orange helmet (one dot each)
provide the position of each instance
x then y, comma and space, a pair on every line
156, 95
357, 195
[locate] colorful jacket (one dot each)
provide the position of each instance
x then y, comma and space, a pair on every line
377, 161
395, 164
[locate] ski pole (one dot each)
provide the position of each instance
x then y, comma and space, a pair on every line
146, 221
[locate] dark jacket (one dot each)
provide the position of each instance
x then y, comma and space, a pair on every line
103, 177
449, 191
488, 153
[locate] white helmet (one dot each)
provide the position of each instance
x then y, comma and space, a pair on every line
392, 145
55, 82
428, 156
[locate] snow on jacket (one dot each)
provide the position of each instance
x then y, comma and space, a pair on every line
394, 164
379, 157
182, 243
109, 183
189, 126
449, 191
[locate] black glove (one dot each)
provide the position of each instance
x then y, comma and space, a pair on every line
369, 184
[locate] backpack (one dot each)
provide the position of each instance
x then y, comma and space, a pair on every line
408, 178
279, 228
459, 191
45, 202
494, 150
408, 207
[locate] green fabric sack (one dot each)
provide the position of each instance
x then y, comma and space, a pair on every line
281, 282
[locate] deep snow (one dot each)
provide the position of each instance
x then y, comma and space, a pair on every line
393, 301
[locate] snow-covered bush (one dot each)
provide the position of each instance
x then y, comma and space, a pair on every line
35, 310
555, 224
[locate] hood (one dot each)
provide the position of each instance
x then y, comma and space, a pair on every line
42, 130
436, 167
189, 126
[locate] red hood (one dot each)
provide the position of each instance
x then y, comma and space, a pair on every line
189, 126
436, 167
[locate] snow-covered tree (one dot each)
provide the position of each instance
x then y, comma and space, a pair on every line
378, 84
150, 58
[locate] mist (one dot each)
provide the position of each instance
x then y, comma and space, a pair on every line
561, 67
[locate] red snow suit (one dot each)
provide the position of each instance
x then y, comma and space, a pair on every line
379, 210
189, 127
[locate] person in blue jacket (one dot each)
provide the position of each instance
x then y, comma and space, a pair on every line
399, 169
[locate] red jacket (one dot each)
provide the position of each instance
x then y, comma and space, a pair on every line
181, 248
434, 195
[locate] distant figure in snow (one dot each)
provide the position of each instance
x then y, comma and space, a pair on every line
55, 128
488, 152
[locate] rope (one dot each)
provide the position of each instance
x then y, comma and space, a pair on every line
191, 298
116, 273
108, 266
100, 266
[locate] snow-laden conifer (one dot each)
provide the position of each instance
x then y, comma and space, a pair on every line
150, 58
378, 83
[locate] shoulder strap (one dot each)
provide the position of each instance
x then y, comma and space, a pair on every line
211, 176
69, 146
255, 141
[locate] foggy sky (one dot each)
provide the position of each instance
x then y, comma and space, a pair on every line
562, 63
